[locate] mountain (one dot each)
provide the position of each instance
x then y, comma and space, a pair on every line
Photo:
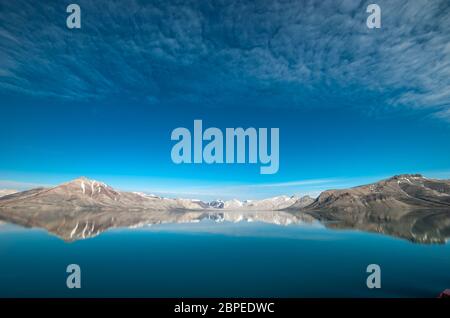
301, 203
216, 204
83, 193
270, 204
86, 194
402, 192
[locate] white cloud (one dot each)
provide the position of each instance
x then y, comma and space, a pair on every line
165, 51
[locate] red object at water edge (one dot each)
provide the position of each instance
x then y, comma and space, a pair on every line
445, 294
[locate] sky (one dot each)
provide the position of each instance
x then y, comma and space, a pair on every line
353, 104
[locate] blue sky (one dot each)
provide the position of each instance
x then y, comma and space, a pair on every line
353, 105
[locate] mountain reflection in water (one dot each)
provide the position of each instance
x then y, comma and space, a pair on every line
419, 226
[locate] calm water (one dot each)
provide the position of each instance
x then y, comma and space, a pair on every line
210, 259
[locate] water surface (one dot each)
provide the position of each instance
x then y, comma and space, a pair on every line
220, 259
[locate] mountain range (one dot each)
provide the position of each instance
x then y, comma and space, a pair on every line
408, 206
399, 192
83, 193
402, 192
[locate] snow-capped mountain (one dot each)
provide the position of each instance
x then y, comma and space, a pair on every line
217, 204
301, 203
270, 204
83, 193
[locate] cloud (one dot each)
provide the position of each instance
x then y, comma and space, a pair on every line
287, 52
253, 191
295, 183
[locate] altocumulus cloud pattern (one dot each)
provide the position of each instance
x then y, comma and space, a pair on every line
214, 52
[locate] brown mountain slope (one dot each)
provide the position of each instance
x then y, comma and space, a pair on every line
83, 193
402, 192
